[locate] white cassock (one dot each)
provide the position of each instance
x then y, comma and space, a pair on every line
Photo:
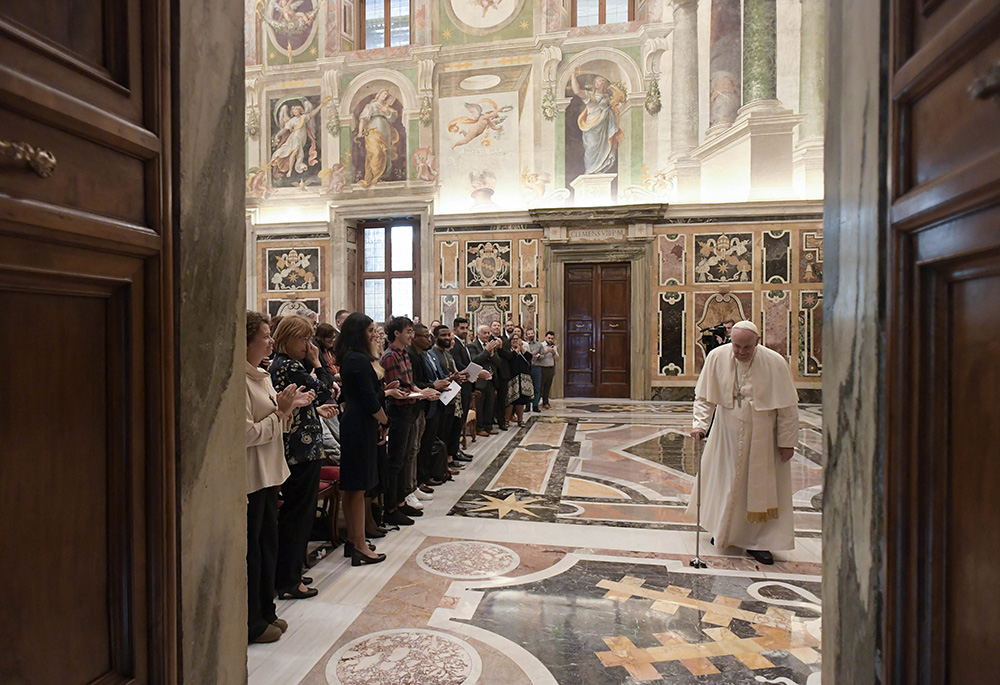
746, 489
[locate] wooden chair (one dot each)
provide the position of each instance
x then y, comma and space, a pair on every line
329, 497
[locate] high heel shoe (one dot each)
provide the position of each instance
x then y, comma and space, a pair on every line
357, 558
349, 548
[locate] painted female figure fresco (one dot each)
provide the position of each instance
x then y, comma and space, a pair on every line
295, 146
375, 129
599, 122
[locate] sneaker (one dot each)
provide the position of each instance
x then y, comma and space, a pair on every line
423, 496
413, 501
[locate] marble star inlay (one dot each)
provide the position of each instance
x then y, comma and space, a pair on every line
509, 504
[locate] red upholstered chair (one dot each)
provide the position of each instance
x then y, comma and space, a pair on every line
329, 497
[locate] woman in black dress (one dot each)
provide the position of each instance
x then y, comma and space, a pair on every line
519, 389
362, 425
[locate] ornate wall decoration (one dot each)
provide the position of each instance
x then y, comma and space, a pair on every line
714, 308
529, 255
299, 306
673, 258
652, 102
296, 146
810, 333
811, 257
486, 310
777, 256
449, 309
482, 17
291, 29
671, 334
776, 326
528, 312
722, 258
449, 264
378, 149
295, 269
488, 264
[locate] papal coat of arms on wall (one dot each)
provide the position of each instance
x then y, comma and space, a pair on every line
722, 257
293, 269
488, 264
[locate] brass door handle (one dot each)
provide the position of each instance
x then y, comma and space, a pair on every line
613, 325
41, 161
592, 349
986, 86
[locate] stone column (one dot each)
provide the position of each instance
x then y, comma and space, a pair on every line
812, 77
684, 84
760, 44
724, 90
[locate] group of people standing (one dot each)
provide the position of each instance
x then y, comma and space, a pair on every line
396, 415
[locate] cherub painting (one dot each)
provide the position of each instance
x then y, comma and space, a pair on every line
295, 147
290, 21
425, 164
534, 183
333, 179
487, 4
484, 120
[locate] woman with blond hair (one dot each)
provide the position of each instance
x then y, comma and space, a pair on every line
266, 471
296, 361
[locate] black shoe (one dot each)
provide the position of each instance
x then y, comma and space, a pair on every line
504, 427
462, 457
762, 556
295, 593
379, 533
357, 558
398, 518
426, 489
410, 511
435, 482
306, 580
535, 409
349, 548
712, 541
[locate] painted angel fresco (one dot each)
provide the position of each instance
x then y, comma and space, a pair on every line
599, 122
289, 17
484, 120
377, 130
296, 149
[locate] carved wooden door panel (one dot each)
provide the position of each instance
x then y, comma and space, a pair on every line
597, 350
942, 468
87, 511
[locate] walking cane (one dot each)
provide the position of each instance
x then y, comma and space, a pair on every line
696, 561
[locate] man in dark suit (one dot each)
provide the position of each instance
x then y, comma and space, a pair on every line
482, 350
460, 353
502, 375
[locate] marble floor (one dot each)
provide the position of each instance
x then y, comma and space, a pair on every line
560, 555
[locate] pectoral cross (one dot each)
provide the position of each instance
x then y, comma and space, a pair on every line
739, 398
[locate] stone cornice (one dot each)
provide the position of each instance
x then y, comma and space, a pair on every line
618, 215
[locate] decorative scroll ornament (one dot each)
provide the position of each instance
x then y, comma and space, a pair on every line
253, 123
42, 162
549, 104
426, 114
652, 104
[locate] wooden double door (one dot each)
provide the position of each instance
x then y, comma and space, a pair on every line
597, 350
88, 580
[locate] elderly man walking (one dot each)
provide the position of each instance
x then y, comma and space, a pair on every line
746, 483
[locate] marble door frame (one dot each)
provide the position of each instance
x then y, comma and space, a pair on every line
639, 253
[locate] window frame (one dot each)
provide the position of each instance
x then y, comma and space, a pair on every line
387, 274
602, 13
362, 14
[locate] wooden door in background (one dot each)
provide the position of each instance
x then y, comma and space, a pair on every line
942, 468
598, 301
88, 580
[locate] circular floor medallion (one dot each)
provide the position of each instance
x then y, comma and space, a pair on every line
468, 559
405, 656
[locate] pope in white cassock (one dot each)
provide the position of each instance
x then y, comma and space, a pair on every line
746, 480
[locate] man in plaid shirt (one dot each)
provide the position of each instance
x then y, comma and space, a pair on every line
396, 362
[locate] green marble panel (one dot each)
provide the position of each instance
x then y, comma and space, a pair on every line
412, 143
560, 179
637, 147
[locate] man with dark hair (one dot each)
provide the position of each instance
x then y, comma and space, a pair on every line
460, 353
502, 375
340, 318
426, 420
535, 350
547, 362
450, 431
397, 365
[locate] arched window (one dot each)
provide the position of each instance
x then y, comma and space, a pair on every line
594, 12
376, 16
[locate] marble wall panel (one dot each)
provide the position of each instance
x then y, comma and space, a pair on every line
488, 263
486, 310
810, 333
711, 308
672, 335
777, 256
528, 311
449, 256
283, 307
811, 257
671, 249
776, 321
529, 258
723, 258
449, 309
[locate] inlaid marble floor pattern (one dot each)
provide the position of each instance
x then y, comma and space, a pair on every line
560, 555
